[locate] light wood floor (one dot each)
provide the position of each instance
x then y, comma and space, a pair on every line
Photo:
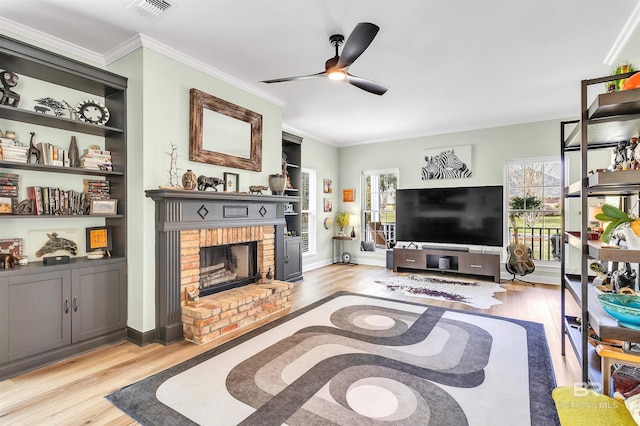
71, 392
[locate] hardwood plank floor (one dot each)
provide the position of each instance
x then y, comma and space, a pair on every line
72, 391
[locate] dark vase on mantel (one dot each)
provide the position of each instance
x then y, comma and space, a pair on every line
74, 154
277, 184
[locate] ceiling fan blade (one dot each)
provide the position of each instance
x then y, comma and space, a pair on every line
299, 77
361, 37
368, 85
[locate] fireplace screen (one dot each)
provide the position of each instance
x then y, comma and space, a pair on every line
225, 267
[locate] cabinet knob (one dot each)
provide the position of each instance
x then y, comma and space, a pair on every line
75, 304
66, 306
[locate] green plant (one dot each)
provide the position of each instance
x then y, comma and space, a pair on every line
615, 217
342, 220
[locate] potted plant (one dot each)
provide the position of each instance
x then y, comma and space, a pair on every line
342, 220
620, 221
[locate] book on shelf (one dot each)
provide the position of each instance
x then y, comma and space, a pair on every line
96, 189
96, 159
12, 152
56, 201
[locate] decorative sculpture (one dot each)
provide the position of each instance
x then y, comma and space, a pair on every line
33, 150
257, 189
54, 244
9, 97
47, 103
7, 260
208, 182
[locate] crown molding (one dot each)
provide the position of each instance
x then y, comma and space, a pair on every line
135, 42
625, 34
140, 40
51, 41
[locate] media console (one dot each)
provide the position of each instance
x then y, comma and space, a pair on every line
460, 262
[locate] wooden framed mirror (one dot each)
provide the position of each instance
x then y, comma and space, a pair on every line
223, 133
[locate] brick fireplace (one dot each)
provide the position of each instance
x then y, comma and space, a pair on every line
189, 221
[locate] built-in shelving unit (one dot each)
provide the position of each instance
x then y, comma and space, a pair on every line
607, 120
58, 310
289, 268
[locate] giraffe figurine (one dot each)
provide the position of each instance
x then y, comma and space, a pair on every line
33, 151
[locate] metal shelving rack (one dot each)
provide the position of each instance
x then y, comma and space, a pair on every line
608, 119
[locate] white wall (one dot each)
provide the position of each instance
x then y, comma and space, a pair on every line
491, 148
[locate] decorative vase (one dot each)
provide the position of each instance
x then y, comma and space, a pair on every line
189, 180
74, 154
277, 184
633, 241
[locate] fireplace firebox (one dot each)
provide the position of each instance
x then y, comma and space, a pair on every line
227, 266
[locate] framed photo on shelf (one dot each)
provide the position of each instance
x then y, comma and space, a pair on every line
348, 195
99, 238
11, 246
6, 205
104, 207
231, 182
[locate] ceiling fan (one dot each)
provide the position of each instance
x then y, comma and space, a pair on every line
336, 67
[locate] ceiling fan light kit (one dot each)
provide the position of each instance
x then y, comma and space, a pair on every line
337, 66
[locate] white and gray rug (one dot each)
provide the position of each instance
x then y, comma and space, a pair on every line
360, 360
478, 294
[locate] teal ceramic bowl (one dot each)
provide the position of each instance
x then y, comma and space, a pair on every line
622, 307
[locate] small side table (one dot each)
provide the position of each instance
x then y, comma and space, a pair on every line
340, 240
609, 356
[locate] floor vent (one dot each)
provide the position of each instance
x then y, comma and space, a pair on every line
151, 9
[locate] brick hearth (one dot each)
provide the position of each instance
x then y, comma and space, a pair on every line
208, 317
220, 313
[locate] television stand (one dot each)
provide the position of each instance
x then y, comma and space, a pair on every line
459, 262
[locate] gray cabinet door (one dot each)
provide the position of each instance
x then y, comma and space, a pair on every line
99, 301
293, 258
38, 314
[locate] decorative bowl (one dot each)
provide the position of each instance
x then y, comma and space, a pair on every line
622, 307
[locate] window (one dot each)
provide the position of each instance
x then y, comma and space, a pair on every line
308, 210
533, 208
379, 206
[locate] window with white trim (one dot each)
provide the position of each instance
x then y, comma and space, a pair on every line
308, 210
533, 188
378, 220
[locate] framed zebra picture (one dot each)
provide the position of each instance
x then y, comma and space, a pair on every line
447, 163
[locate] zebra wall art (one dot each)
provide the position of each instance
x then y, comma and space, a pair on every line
453, 163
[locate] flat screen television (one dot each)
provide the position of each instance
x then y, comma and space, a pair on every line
470, 215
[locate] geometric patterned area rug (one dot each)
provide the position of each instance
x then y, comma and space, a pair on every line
472, 293
353, 359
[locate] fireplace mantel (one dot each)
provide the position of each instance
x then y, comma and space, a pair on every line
182, 210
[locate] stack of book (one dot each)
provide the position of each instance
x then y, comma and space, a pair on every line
95, 189
8, 190
52, 155
96, 159
56, 201
9, 151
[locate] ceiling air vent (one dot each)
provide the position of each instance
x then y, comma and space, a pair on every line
151, 9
